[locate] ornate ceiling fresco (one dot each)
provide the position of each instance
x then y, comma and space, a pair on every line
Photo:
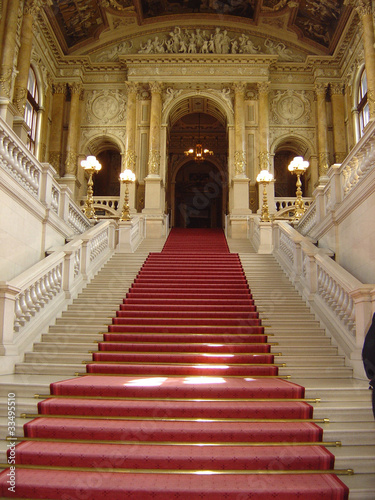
78, 23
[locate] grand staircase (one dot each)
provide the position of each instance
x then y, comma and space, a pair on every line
311, 360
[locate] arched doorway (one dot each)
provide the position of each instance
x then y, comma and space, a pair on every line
196, 189
107, 182
198, 196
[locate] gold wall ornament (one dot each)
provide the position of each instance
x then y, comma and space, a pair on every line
126, 177
19, 99
298, 166
323, 163
265, 177
129, 159
154, 162
71, 163
54, 158
6, 81
239, 162
264, 160
91, 166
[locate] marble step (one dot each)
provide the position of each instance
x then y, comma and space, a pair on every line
287, 341
71, 357
69, 369
295, 352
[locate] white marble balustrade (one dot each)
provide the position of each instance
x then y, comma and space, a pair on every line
30, 301
341, 302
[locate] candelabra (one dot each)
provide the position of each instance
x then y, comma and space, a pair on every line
91, 166
126, 177
298, 167
265, 177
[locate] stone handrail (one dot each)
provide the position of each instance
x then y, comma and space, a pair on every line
31, 300
39, 180
341, 302
342, 179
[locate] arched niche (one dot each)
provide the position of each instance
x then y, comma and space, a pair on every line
108, 151
283, 152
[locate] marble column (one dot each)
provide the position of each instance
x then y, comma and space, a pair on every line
23, 67
154, 197
338, 116
264, 147
73, 131
263, 133
131, 126
24, 57
55, 142
239, 130
8, 56
240, 182
129, 157
364, 10
321, 91
155, 124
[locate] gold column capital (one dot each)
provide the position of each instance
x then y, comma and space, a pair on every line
156, 87
76, 88
336, 89
59, 88
263, 87
363, 7
321, 88
239, 87
31, 7
132, 87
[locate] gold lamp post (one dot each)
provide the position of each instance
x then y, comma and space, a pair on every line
91, 165
298, 166
126, 177
265, 177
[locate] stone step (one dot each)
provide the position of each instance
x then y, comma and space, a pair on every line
69, 369
58, 356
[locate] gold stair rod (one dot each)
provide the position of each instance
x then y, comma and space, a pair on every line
177, 419
199, 400
347, 472
19, 439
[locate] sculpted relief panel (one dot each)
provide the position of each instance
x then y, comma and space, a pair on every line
201, 41
291, 107
106, 106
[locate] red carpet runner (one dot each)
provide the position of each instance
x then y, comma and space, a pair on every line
182, 399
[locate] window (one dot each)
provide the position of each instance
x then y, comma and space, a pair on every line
32, 108
363, 107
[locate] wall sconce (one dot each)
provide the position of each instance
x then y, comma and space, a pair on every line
298, 166
265, 177
126, 177
91, 165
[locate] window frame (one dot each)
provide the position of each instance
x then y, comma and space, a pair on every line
32, 108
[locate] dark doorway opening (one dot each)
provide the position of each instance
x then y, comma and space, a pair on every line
198, 196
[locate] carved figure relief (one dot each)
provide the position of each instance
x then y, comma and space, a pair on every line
290, 107
105, 106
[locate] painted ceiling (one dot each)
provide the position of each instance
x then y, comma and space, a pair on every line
79, 23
